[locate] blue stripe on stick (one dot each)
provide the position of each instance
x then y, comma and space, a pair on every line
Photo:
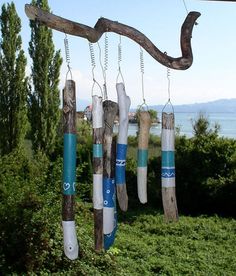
97, 150
110, 238
168, 172
69, 164
121, 152
168, 158
108, 192
142, 157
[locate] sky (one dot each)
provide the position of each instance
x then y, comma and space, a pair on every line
212, 75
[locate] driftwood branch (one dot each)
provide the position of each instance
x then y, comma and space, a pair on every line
105, 25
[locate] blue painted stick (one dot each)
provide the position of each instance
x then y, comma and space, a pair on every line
71, 247
124, 105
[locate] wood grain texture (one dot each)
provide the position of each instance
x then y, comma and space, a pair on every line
168, 120
169, 204
122, 196
98, 229
106, 25
69, 107
110, 111
145, 124
68, 208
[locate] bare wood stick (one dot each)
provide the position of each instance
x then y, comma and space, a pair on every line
168, 167
110, 110
124, 105
98, 130
106, 25
145, 123
71, 247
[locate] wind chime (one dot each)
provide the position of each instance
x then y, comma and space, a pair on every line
168, 159
143, 138
109, 159
71, 247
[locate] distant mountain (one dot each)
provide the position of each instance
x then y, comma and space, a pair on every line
218, 106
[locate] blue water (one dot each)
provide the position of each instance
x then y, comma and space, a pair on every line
183, 121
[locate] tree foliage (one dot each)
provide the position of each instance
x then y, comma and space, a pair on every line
201, 126
13, 83
30, 210
45, 96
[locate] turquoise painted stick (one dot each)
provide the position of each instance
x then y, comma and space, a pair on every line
71, 247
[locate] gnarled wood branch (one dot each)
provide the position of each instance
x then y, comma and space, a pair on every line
105, 25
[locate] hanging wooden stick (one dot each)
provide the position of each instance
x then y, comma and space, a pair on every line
110, 110
110, 238
106, 25
98, 130
71, 247
145, 123
168, 167
124, 105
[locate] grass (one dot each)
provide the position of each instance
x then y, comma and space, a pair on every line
193, 246
146, 245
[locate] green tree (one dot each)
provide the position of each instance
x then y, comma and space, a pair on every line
45, 95
13, 82
201, 126
153, 115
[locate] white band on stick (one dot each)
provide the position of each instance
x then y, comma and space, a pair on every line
168, 140
108, 220
71, 247
97, 112
142, 184
168, 182
97, 191
124, 105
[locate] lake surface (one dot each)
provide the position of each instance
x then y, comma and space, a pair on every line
183, 121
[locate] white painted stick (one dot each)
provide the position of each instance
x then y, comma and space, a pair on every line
97, 191
71, 247
142, 184
124, 105
97, 112
108, 222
